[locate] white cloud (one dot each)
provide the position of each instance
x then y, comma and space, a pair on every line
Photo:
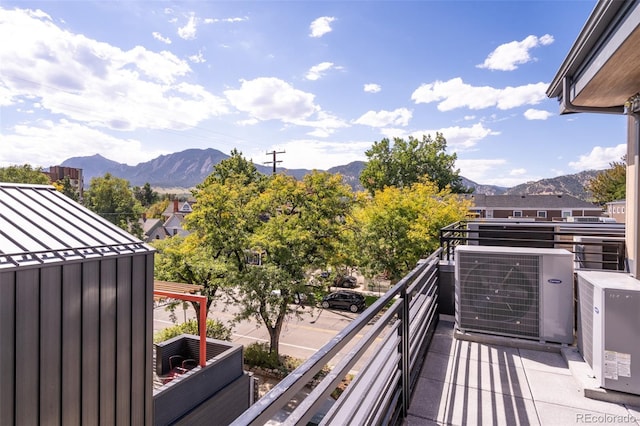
269, 98
197, 58
321, 26
537, 114
397, 117
459, 138
393, 132
160, 37
455, 93
599, 158
226, 20
372, 88
508, 56
317, 71
478, 169
188, 31
493, 172
96, 83
325, 124
48, 143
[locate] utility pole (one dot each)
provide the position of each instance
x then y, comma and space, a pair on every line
274, 161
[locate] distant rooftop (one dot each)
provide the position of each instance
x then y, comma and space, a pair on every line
531, 201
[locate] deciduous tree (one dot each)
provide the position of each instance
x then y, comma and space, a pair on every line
111, 198
395, 228
289, 226
404, 163
610, 184
23, 174
187, 260
146, 196
64, 185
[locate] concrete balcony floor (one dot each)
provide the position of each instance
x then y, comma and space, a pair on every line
471, 383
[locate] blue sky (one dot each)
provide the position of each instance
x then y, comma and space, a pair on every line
320, 80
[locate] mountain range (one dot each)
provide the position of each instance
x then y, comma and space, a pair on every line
180, 171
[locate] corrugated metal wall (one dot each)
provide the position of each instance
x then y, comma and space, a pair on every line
76, 342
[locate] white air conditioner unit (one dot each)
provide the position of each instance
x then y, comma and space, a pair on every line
598, 252
609, 328
583, 219
515, 291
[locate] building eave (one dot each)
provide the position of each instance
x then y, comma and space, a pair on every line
604, 56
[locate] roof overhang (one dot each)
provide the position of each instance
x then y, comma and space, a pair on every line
602, 70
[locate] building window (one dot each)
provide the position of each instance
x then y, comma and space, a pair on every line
566, 213
542, 213
517, 213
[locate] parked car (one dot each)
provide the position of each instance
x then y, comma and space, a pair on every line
345, 281
344, 300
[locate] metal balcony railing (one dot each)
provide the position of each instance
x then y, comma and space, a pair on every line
393, 348
594, 245
404, 319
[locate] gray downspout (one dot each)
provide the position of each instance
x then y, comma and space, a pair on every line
633, 112
630, 110
567, 105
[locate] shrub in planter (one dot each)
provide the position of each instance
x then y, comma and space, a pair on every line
215, 330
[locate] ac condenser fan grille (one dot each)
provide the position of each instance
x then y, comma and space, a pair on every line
499, 294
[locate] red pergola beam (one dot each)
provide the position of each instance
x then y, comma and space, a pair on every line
202, 300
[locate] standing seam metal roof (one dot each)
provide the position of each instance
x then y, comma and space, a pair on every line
40, 225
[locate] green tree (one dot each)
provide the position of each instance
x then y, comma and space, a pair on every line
187, 260
23, 174
67, 188
395, 228
111, 198
145, 195
156, 209
302, 223
610, 184
407, 162
290, 226
236, 167
221, 216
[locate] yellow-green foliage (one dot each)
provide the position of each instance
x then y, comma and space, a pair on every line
398, 226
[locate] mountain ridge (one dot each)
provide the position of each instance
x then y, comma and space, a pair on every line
186, 169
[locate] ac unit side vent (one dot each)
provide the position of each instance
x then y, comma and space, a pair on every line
585, 320
499, 294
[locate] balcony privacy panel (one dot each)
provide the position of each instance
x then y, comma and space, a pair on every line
75, 314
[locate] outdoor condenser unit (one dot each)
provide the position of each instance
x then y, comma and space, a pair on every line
515, 291
609, 328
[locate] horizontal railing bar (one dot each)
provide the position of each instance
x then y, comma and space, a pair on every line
265, 408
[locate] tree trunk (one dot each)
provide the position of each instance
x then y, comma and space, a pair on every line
274, 336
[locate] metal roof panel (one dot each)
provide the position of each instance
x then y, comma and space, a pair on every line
39, 224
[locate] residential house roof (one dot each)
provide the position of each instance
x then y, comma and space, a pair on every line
530, 201
40, 225
152, 228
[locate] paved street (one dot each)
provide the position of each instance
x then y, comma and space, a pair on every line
300, 338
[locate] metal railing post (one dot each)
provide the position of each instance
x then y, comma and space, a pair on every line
405, 355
